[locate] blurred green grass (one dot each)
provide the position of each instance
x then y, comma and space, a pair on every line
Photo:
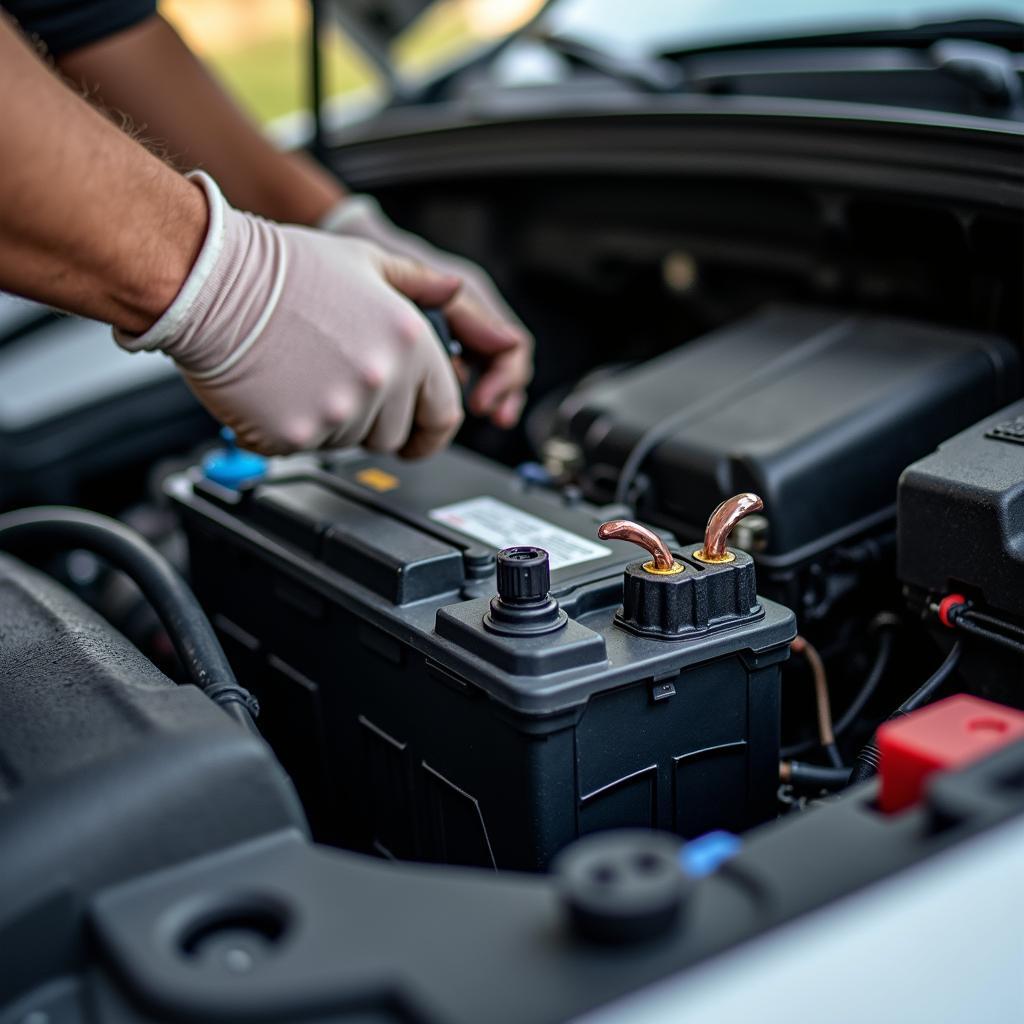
271, 78
260, 49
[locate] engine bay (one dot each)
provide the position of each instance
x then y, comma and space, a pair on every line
652, 692
730, 633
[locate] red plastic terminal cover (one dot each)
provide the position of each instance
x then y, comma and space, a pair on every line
947, 604
945, 735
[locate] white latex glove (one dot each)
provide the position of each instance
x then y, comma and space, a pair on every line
299, 339
507, 356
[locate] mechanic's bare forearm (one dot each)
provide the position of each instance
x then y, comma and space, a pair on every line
90, 221
148, 73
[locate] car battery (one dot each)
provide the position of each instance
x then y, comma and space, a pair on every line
455, 667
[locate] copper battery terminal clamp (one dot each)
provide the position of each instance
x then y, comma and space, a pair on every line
678, 598
661, 564
721, 524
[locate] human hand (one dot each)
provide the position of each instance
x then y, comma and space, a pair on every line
299, 339
479, 316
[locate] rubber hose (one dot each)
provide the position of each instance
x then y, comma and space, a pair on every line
176, 606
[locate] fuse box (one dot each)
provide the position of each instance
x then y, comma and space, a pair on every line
436, 700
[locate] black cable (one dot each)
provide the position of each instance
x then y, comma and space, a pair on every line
800, 747
188, 627
866, 764
924, 693
973, 615
968, 625
874, 677
816, 776
835, 759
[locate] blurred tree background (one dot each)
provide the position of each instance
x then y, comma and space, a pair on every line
260, 48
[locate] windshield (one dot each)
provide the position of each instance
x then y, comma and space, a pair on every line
649, 26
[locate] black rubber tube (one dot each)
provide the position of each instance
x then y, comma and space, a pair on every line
834, 757
174, 603
874, 677
866, 764
817, 775
924, 693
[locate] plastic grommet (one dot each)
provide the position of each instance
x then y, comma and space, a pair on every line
622, 886
946, 606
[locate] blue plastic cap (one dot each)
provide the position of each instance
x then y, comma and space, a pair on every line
705, 854
534, 473
231, 466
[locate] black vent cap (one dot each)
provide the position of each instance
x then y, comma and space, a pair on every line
524, 575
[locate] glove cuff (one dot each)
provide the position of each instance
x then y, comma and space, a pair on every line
177, 315
350, 213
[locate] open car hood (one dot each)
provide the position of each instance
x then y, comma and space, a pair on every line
373, 25
380, 20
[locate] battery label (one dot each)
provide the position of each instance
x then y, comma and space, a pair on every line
504, 526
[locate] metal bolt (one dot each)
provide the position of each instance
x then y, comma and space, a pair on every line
751, 534
238, 960
680, 272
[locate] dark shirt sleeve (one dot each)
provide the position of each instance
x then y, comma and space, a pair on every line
64, 25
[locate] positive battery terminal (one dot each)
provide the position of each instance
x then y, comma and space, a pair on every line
721, 523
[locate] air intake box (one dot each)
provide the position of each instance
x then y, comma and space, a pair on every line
816, 410
423, 717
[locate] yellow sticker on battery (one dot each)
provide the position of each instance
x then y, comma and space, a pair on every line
377, 479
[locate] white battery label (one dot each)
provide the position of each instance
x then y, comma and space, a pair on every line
504, 526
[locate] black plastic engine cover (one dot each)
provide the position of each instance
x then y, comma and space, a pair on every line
816, 410
107, 770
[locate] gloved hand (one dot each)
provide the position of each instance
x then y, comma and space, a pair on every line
508, 364
299, 339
